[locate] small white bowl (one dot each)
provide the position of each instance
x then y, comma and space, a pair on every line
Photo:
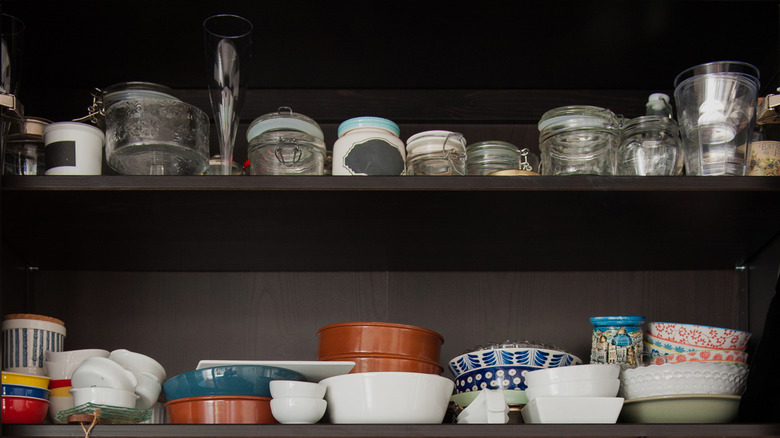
573, 372
298, 410
76, 356
575, 388
103, 372
138, 362
148, 390
104, 396
296, 388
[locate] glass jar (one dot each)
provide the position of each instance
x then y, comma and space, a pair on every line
368, 146
24, 149
650, 145
486, 157
286, 143
436, 153
578, 140
135, 90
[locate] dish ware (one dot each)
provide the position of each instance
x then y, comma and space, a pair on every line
358, 338
59, 370
701, 336
369, 362
529, 357
57, 404
120, 398
103, 372
74, 355
387, 397
593, 410
63, 391
138, 362
681, 409
311, 370
222, 409
296, 388
24, 391
574, 372
508, 378
513, 397
148, 389
575, 388
59, 383
248, 380
682, 378
678, 347
26, 337
298, 410
27, 410
660, 355
488, 408
26, 379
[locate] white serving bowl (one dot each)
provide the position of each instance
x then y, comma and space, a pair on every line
298, 410
575, 388
682, 378
570, 373
104, 396
76, 356
296, 388
387, 397
138, 362
103, 372
577, 410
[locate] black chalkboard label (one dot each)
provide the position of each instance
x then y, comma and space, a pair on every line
61, 153
374, 157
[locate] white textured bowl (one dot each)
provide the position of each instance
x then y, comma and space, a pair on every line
682, 378
138, 362
570, 373
575, 388
296, 388
387, 397
104, 396
298, 410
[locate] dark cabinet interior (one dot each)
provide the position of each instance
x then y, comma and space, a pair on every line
191, 268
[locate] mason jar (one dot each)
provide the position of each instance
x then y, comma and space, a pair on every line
436, 153
368, 145
578, 140
650, 145
24, 149
286, 143
486, 157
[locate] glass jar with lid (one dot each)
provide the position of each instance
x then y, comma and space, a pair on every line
578, 139
650, 145
436, 153
24, 149
368, 145
286, 143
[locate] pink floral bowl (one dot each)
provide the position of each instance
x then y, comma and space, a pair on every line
700, 336
660, 356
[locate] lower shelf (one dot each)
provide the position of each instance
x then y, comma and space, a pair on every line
398, 430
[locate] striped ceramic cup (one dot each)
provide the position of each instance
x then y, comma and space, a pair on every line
26, 337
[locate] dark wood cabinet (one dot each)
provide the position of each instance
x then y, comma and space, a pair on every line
202, 267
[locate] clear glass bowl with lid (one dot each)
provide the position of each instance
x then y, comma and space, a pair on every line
286, 143
579, 139
650, 145
436, 153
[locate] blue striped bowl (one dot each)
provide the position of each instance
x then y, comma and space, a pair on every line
25, 391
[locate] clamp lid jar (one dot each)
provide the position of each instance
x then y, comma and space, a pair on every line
578, 139
486, 157
650, 145
368, 145
436, 153
286, 143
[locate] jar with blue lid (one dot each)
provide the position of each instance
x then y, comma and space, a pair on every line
286, 143
617, 340
368, 146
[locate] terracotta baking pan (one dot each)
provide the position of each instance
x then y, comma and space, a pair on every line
367, 363
359, 338
220, 409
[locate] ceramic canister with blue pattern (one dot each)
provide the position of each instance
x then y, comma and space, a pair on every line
617, 339
26, 337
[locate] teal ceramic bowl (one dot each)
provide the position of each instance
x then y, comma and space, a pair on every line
248, 380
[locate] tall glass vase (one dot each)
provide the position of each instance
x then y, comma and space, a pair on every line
228, 44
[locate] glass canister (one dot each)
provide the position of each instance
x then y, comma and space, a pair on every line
577, 140
286, 143
617, 339
368, 146
431, 153
24, 150
486, 157
650, 145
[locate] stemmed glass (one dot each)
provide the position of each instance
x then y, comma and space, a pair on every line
228, 44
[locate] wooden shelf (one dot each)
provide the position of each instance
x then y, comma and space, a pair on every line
388, 223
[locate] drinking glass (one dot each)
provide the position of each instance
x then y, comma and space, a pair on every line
228, 44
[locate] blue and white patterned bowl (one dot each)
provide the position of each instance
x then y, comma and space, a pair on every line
504, 368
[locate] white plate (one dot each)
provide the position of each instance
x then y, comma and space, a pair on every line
312, 370
577, 410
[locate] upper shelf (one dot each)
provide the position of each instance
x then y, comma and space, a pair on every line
476, 223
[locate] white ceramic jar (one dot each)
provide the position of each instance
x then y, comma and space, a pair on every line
73, 148
369, 146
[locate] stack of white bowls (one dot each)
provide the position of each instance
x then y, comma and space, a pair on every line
59, 367
573, 394
297, 402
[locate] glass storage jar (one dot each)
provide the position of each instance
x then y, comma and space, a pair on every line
578, 139
368, 145
650, 145
486, 157
285, 143
436, 153
24, 149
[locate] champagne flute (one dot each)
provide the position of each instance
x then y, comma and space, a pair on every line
228, 44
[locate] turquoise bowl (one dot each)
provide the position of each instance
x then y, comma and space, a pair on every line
247, 380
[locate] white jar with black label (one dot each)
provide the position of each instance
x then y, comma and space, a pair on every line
369, 146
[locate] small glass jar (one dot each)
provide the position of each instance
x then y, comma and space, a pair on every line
436, 153
578, 140
486, 157
286, 143
24, 149
135, 90
650, 145
617, 340
368, 146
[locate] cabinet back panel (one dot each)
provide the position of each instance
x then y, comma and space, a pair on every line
180, 318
